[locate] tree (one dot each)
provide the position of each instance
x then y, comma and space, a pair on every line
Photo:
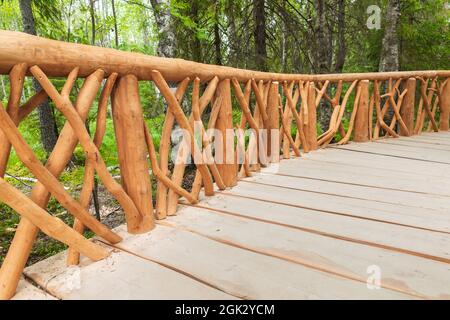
259, 34
390, 51
167, 41
48, 128
116, 29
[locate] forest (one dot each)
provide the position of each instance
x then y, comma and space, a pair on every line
288, 36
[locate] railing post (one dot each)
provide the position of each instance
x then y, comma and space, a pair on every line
227, 169
312, 117
273, 115
132, 151
362, 115
445, 106
407, 109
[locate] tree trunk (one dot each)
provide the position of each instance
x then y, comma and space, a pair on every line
116, 30
196, 44
389, 57
260, 34
167, 41
92, 13
48, 129
322, 58
232, 34
217, 42
342, 46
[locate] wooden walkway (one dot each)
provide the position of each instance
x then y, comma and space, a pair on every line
316, 228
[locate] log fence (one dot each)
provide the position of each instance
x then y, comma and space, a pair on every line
279, 108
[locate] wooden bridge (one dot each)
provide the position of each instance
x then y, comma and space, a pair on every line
360, 210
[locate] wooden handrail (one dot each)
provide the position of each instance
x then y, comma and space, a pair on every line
301, 95
58, 59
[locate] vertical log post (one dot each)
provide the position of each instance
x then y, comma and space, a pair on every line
273, 115
407, 108
312, 117
362, 115
224, 123
445, 106
132, 151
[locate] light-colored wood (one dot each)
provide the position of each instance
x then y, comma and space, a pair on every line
35, 101
370, 233
27, 291
381, 112
433, 156
287, 247
312, 115
287, 133
287, 117
338, 114
199, 129
416, 144
290, 179
26, 232
444, 105
157, 171
366, 209
345, 172
180, 117
257, 276
16, 79
164, 149
110, 60
313, 219
362, 132
64, 104
123, 276
351, 124
273, 123
224, 123
132, 152
51, 226
407, 110
182, 157
421, 113
73, 257
28, 158
197, 184
356, 244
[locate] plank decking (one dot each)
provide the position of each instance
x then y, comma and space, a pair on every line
315, 228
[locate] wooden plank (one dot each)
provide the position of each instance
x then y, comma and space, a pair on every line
399, 271
121, 276
27, 291
371, 233
407, 199
375, 161
360, 175
243, 273
431, 139
414, 143
432, 156
408, 216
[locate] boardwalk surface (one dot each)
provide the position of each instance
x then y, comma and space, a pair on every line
317, 227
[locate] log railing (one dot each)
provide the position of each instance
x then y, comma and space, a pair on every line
278, 111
